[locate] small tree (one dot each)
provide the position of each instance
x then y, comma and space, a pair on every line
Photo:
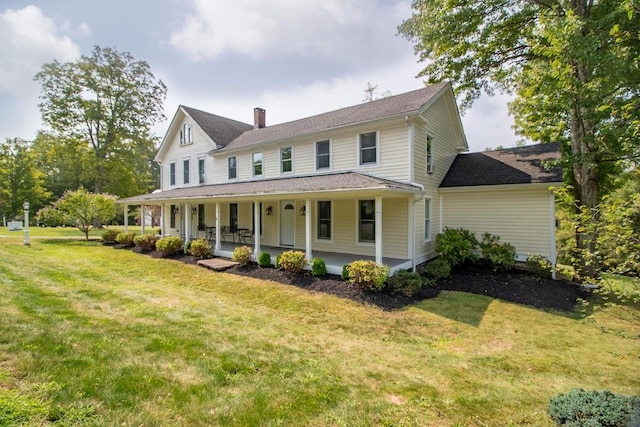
80, 208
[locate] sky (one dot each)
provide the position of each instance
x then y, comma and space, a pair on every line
293, 58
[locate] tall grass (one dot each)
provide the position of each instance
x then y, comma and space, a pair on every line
91, 335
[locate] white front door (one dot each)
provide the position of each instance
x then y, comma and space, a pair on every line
287, 223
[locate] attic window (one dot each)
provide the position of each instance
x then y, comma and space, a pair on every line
185, 134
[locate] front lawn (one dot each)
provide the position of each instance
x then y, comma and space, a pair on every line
91, 335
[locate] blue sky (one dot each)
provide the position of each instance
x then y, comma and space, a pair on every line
294, 58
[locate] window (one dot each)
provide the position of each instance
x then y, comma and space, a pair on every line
427, 220
368, 148
185, 170
185, 134
201, 223
233, 216
256, 161
233, 168
367, 221
172, 173
286, 160
323, 155
201, 175
324, 221
429, 154
172, 216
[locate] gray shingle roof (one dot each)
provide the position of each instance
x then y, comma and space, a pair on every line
521, 165
293, 185
220, 129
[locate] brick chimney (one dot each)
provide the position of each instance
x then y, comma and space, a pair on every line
259, 118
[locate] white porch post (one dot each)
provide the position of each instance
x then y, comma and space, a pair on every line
126, 218
256, 227
218, 245
162, 227
411, 235
307, 229
142, 218
378, 217
552, 231
187, 223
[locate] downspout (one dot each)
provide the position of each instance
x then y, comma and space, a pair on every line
552, 229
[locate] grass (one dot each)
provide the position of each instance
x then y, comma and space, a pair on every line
91, 335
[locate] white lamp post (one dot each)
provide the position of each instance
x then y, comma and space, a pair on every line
25, 206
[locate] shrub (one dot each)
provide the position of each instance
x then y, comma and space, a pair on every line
146, 241
200, 248
264, 259
405, 282
368, 275
293, 261
593, 408
169, 245
437, 269
345, 272
242, 254
501, 255
539, 265
277, 264
187, 247
456, 246
318, 267
109, 236
125, 238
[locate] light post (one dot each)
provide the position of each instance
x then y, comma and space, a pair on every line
25, 206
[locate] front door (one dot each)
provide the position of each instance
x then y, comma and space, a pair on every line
287, 223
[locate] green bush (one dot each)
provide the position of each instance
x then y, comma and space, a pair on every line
187, 247
405, 282
456, 246
242, 254
277, 264
501, 255
318, 267
125, 238
109, 236
345, 272
593, 408
169, 245
146, 241
264, 259
437, 269
200, 248
293, 261
539, 265
366, 274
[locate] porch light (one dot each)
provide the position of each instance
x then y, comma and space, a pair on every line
303, 210
269, 210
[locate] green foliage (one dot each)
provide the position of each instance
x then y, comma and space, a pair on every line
345, 272
318, 267
264, 259
187, 247
242, 255
437, 269
126, 238
501, 255
456, 246
367, 274
277, 264
619, 234
169, 245
593, 408
146, 241
539, 265
109, 235
200, 248
293, 261
405, 282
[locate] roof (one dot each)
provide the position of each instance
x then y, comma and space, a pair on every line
343, 181
220, 129
393, 106
520, 165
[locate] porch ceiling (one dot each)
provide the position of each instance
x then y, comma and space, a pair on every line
344, 183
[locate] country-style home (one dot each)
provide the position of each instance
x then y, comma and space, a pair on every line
376, 180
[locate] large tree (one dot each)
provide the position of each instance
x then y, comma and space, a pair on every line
573, 66
107, 99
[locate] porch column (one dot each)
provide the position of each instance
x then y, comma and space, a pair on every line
378, 217
126, 218
187, 223
256, 227
307, 229
142, 218
162, 227
218, 245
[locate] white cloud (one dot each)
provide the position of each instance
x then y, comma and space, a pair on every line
336, 30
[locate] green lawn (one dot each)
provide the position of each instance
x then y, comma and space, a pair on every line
91, 335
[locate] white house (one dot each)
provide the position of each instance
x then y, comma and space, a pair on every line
376, 180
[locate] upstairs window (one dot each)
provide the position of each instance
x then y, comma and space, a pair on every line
429, 154
256, 161
286, 160
427, 220
185, 170
233, 167
323, 155
201, 173
185, 134
172, 173
368, 148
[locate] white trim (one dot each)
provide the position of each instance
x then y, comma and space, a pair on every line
317, 219
188, 175
412, 147
204, 169
175, 172
502, 187
253, 165
358, 241
429, 150
229, 169
315, 156
283, 173
359, 163
424, 220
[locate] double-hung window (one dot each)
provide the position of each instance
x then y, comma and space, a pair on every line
429, 154
201, 171
427, 220
185, 170
256, 161
286, 160
172, 216
368, 148
233, 167
367, 221
185, 134
323, 155
172, 173
324, 220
